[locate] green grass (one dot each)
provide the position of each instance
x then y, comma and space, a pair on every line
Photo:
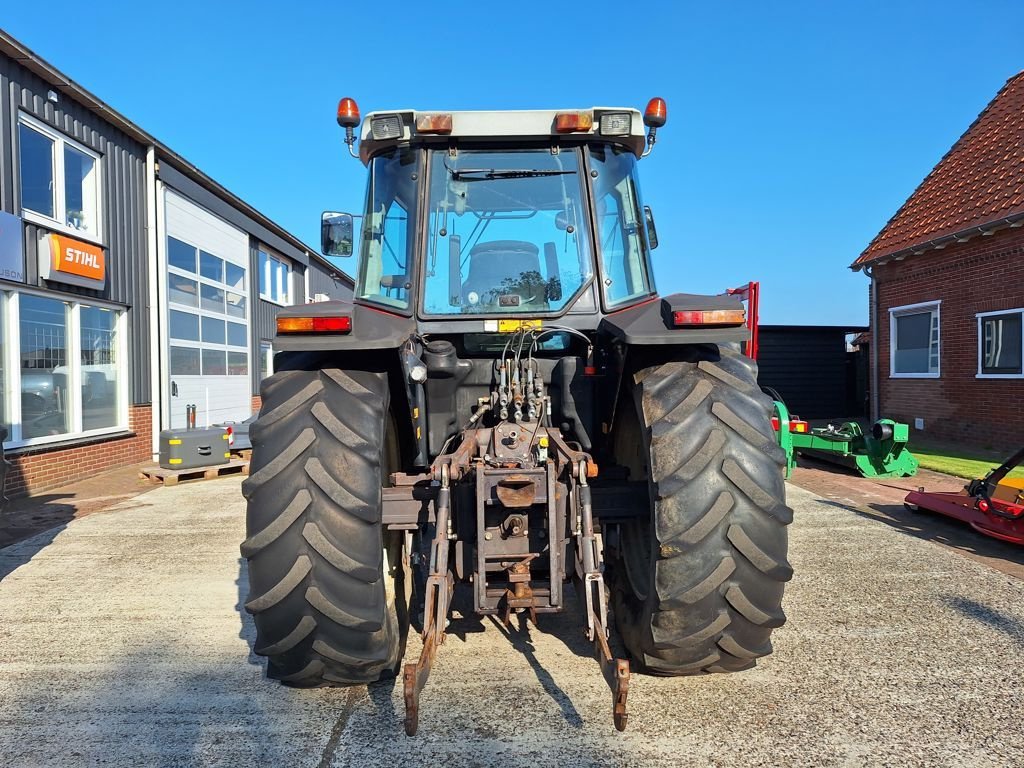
955, 461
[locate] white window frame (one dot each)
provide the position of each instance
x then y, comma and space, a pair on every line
10, 305
59, 222
266, 355
287, 284
980, 316
915, 309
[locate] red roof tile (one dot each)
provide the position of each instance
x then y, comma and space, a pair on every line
979, 181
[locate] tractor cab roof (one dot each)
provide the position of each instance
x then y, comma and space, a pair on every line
617, 125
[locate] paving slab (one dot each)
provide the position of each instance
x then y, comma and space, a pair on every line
122, 642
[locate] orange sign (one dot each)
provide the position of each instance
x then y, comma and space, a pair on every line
73, 257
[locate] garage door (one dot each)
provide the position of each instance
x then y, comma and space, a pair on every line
207, 315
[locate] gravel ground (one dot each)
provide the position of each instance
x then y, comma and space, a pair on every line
121, 643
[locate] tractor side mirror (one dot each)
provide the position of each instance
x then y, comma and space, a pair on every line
652, 231
336, 234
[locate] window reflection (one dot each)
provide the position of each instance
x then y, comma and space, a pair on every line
44, 370
99, 368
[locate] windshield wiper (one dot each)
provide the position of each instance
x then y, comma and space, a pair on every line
488, 174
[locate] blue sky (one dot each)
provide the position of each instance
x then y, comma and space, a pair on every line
795, 129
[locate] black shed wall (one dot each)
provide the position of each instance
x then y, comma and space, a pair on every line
122, 171
808, 367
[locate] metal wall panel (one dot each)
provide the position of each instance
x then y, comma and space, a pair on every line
264, 313
324, 279
123, 179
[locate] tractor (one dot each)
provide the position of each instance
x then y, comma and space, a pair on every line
508, 408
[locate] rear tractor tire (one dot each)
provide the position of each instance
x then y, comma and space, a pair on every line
325, 585
698, 587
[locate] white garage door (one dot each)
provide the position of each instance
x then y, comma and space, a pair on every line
207, 315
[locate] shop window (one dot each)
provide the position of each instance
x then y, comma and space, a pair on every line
211, 267
235, 277
914, 341
236, 304
237, 336
238, 363
213, 330
211, 298
184, 361
214, 362
99, 348
182, 291
275, 278
45, 383
60, 180
63, 370
184, 326
1001, 344
181, 255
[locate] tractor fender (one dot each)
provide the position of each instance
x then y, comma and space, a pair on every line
375, 329
650, 323
378, 341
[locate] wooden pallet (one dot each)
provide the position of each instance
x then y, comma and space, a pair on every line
159, 475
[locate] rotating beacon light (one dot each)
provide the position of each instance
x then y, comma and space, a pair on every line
655, 116
348, 118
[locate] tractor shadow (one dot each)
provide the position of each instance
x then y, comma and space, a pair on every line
247, 627
520, 639
930, 526
1010, 626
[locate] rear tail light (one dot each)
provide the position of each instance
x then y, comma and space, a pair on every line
570, 122
337, 324
689, 318
798, 426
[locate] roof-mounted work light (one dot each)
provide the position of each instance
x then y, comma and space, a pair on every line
348, 118
655, 117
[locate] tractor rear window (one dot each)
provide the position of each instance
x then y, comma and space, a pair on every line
387, 237
620, 224
507, 232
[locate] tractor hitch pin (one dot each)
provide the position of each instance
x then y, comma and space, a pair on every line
615, 671
437, 599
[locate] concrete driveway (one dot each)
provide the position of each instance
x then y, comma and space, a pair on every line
122, 643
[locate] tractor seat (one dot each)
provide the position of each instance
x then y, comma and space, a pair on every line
503, 267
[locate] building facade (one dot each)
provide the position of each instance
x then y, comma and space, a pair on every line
947, 289
132, 285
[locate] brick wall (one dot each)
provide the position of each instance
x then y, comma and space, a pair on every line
43, 467
257, 403
983, 274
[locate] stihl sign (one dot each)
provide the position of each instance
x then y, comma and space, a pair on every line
65, 260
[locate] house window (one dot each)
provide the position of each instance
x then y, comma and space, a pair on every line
1001, 344
60, 180
275, 278
64, 371
914, 341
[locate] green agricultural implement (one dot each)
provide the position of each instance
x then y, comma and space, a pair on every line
881, 453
